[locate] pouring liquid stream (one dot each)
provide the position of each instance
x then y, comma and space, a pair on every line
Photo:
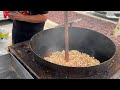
66, 37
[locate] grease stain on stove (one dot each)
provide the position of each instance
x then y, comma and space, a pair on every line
46, 73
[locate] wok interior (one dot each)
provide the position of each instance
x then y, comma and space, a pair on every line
83, 40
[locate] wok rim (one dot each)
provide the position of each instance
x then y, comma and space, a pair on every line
108, 60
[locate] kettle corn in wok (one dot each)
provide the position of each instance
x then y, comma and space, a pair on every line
76, 59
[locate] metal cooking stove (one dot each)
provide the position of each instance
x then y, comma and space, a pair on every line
23, 53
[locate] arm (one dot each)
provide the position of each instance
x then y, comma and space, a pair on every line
29, 18
35, 18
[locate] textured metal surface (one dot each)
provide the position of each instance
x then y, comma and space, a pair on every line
10, 68
25, 56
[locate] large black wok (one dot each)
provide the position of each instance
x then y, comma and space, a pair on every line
81, 39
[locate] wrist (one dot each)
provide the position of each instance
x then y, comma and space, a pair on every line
25, 18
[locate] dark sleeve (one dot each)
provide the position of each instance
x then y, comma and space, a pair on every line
38, 12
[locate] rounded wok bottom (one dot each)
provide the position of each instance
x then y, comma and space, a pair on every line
83, 40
